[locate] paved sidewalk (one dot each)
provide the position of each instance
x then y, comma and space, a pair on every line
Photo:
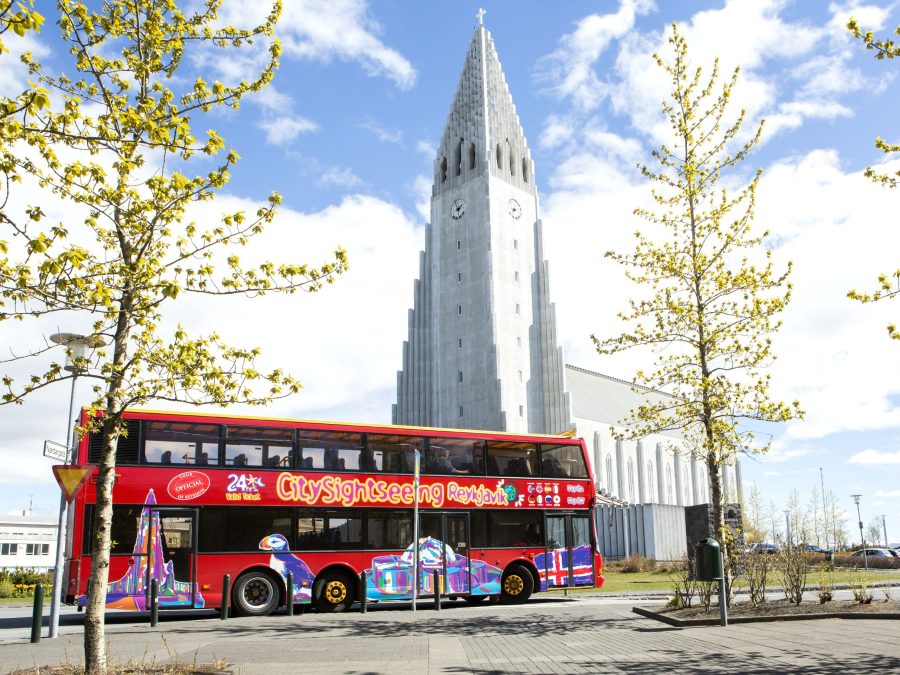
548, 635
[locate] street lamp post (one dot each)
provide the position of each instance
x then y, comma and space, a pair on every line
787, 527
861, 536
884, 529
77, 349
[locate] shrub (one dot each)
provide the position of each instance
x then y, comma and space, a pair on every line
792, 565
685, 584
705, 591
634, 564
756, 570
826, 582
7, 589
859, 585
875, 563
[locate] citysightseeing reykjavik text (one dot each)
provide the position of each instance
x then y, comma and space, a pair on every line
353, 491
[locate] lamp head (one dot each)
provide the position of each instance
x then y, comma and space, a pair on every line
856, 499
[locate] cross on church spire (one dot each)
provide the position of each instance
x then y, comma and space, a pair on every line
480, 14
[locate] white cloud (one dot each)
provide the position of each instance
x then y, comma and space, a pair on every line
557, 131
887, 493
875, 457
382, 134
340, 176
322, 30
426, 148
284, 129
777, 455
421, 189
570, 69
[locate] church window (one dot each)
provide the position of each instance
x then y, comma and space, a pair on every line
516, 275
457, 159
459, 344
517, 308
521, 411
520, 376
512, 159
684, 487
459, 244
471, 156
515, 243
460, 411
518, 341
444, 170
630, 480
669, 499
459, 277
525, 169
499, 157
459, 376
650, 482
459, 310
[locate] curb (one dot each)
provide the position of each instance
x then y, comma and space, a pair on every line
686, 623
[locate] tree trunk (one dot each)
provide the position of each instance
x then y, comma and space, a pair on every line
713, 467
95, 656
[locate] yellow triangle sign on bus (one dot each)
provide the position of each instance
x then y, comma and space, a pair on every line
71, 477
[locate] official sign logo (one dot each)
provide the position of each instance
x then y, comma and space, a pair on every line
188, 485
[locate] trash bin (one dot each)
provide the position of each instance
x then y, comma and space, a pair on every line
709, 560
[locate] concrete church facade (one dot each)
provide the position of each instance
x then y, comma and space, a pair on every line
482, 351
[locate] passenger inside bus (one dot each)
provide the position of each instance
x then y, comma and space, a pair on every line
240, 460
166, 457
441, 463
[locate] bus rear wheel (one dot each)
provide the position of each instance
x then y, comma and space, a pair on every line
334, 592
256, 594
516, 586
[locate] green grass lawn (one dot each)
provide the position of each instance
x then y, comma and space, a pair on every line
619, 582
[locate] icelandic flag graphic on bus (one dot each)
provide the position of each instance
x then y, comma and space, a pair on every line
553, 567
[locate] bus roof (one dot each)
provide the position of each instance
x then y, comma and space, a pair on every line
566, 435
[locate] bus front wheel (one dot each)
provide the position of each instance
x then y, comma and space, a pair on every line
256, 594
516, 586
334, 592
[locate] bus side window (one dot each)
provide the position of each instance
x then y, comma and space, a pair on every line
334, 451
512, 458
562, 461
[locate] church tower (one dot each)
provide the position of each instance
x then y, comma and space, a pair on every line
482, 350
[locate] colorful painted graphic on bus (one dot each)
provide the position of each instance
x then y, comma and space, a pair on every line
130, 592
283, 562
553, 567
391, 576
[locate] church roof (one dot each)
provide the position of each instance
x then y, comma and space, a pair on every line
606, 399
483, 116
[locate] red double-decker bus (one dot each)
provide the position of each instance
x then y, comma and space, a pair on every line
200, 496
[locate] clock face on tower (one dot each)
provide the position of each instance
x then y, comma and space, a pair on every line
515, 209
458, 209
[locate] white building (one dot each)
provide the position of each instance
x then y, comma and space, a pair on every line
27, 541
482, 351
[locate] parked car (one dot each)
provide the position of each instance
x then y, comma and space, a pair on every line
764, 548
874, 553
814, 549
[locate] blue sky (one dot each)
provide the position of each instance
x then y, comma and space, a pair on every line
346, 135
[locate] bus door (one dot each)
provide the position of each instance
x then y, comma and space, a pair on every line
171, 557
568, 559
444, 547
